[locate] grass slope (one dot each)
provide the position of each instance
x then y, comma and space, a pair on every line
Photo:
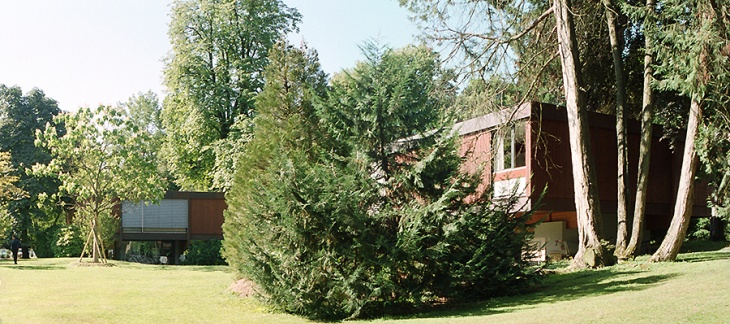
695, 289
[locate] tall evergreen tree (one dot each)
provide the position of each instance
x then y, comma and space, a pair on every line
486, 36
355, 205
691, 44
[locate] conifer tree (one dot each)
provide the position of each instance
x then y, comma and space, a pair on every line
351, 201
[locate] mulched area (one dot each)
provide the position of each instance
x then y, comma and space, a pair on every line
243, 288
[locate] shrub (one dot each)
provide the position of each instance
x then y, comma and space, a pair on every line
69, 241
45, 240
204, 253
700, 229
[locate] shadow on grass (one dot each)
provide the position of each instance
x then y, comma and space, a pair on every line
32, 267
198, 268
703, 246
556, 288
701, 251
704, 256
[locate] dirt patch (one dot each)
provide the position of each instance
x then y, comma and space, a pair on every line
91, 264
243, 288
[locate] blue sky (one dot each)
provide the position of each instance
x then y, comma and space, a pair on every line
90, 52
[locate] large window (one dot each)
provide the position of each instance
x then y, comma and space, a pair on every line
170, 215
508, 146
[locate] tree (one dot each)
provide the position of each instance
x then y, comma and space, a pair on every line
486, 42
145, 113
617, 47
20, 116
587, 203
642, 182
215, 69
100, 160
351, 202
691, 44
8, 190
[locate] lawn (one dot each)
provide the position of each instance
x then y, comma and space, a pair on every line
695, 289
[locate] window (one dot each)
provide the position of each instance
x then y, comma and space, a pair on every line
508, 146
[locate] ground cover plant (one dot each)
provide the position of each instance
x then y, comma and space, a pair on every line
694, 289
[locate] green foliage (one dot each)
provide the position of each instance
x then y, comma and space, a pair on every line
214, 71
8, 189
100, 160
351, 203
20, 116
69, 241
700, 229
510, 47
204, 253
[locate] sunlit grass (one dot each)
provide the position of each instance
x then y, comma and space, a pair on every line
694, 289
56, 291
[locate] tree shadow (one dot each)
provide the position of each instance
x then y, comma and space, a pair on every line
196, 268
33, 267
701, 251
558, 287
703, 246
704, 256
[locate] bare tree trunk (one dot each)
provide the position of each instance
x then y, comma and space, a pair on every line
669, 248
637, 228
590, 251
95, 244
717, 226
622, 159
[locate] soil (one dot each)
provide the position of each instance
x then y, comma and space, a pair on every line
243, 288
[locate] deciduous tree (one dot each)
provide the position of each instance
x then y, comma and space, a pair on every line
214, 71
20, 116
102, 158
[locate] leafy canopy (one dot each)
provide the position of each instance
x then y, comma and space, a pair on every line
215, 69
100, 159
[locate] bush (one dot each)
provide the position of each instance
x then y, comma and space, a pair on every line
699, 229
204, 253
44, 241
69, 241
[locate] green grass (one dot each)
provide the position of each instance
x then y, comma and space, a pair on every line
56, 291
694, 289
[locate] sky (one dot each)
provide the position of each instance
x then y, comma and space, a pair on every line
90, 52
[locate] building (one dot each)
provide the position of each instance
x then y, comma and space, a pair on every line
178, 219
524, 149
527, 149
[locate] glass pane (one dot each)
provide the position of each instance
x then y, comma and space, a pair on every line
520, 134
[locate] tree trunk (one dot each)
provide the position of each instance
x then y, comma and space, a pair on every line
622, 160
94, 255
642, 184
717, 221
590, 251
669, 248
